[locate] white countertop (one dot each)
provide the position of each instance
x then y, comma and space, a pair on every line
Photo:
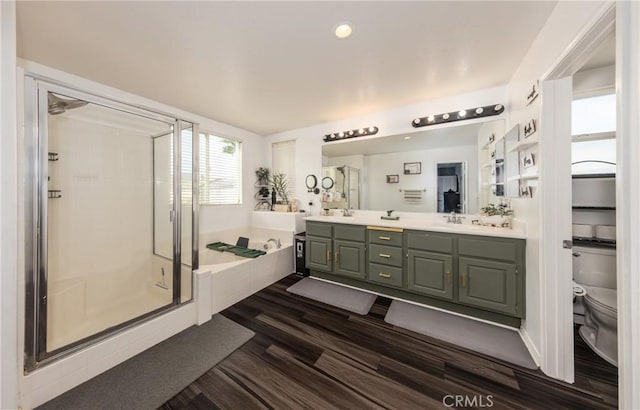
429, 222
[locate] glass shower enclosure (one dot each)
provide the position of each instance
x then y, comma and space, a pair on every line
111, 220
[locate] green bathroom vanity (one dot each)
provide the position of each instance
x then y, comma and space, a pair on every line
475, 274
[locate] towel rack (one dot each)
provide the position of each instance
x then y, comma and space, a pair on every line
413, 196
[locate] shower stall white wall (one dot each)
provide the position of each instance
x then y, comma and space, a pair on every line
100, 231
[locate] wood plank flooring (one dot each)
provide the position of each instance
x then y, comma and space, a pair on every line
310, 355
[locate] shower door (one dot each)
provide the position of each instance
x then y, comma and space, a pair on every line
101, 197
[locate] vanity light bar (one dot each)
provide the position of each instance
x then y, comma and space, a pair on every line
468, 114
361, 132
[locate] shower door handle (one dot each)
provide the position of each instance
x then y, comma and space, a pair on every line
172, 215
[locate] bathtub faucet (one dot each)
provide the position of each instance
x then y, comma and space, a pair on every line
275, 241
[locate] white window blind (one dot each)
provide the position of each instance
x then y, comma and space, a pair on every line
187, 167
220, 170
283, 161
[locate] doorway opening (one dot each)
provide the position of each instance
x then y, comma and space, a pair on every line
451, 187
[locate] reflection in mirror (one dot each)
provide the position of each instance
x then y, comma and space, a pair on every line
345, 189
327, 182
451, 187
367, 163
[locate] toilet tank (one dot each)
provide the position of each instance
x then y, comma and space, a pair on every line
594, 267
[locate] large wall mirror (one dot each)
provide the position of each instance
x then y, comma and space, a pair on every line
435, 170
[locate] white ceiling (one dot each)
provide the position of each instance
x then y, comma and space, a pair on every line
273, 66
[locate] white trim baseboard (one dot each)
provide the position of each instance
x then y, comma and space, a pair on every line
526, 339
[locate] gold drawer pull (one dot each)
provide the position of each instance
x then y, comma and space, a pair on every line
462, 280
384, 275
328, 256
385, 238
384, 255
449, 277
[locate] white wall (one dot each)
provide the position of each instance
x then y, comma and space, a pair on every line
594, 82
107, 198
567, 21
383, 196
397, 121
8, 209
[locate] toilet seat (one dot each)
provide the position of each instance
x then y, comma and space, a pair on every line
603, 298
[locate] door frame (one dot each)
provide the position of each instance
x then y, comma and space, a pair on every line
465, 184
555, 181
556, 94
628, 201
36, 198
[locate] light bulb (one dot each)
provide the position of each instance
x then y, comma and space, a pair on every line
431, 118
462, 113
498, 107
343, 31
445, 116
341, 135
372, 129
479, 110
416, 121
361, 131
351, 132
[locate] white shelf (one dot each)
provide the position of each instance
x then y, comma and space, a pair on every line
522, 177
524, 144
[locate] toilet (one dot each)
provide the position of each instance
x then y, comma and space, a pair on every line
594, 270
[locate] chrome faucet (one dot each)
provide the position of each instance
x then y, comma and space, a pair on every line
452, 218
275, 241
347, 212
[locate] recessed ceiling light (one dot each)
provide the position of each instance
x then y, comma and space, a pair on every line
407, 138
343, 30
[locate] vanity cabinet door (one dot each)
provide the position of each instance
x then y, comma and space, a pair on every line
319, 253
489, 285
349, 259
430, 273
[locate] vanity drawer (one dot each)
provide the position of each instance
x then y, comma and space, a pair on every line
354, 233
385, 237
388, 255
430, 241
319, 229
489, 248
385, 275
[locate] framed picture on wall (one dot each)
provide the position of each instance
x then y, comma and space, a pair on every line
528, 160
393, 179
412, 168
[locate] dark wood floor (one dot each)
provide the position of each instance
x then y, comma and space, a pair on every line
310, 355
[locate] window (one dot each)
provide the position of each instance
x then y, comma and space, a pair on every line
220, 170
593, 115
593, 150
283, 161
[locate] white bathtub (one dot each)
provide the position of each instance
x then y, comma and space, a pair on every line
234, 278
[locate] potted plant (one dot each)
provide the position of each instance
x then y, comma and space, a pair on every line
263, 174
279, 182
493, 215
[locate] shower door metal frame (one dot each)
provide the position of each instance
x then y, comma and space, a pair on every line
35, 224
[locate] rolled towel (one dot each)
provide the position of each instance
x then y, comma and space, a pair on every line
578, 290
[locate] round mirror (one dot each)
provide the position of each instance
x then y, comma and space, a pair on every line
312, 182
327, 182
